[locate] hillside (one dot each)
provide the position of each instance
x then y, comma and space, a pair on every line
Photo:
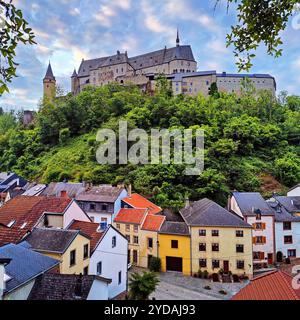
250, 144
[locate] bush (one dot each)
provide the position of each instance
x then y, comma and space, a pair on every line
64, 135
200, 274
155, 264
207, 288
223, 292
205, 274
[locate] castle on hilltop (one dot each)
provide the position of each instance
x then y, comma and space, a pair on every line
177, 64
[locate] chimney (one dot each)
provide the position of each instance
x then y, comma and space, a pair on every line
129, 190
64, 194
3, 263
187, 202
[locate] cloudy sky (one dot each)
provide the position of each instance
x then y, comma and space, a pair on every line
69, 30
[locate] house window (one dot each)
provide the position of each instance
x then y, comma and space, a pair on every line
259, 226
258, 255
114, 241
136, 240
240, 264
292, 253
216, 264
92, 207
215, 247
288, 239
240, 248
202, 263
260, 240
174, 244
86, 271
128, 227
287, 225
85, 251
150, 243
104, 207
215, 233
258, 216
128, 237
202, 233
239, 233
202, 247
136, 228
72, 258
99, 268
118, 226
120, 277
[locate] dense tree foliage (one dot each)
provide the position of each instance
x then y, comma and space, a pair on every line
259, 22
14, 30
245, 137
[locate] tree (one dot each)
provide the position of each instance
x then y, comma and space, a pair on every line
259, 22
213, 90
142, 285
13, 30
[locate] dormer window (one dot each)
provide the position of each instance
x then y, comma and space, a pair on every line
11, 223
23, 225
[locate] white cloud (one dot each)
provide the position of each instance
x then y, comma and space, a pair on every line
218, 46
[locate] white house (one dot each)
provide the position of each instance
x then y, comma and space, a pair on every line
102, 203
109, 255
287, 226
256, 211
294, 192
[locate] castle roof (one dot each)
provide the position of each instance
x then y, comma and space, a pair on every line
49, 74
139, 62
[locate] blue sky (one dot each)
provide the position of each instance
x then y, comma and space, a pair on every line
69, 30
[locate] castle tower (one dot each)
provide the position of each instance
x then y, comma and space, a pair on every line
49, 83
74, 83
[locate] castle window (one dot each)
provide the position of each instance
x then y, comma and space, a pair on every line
117, 70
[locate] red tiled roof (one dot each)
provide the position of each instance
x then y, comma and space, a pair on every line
153, 222
26, 210
275, 285
134, 216
137, 201
90, 229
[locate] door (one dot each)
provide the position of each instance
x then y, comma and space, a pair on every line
270, 258
135, 256
129, 257
149, 260
226, 267
174, 264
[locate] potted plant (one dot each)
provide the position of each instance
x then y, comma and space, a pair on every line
200, 274
205, 274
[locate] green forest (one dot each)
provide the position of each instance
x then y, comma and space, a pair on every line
251, 143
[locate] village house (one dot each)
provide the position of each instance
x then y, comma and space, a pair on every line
137, 201
220, 240
108, 255
71, 248
101, 203
11, 185
287, 226
19, 269
21, 215
255, 210
52, 286
63, 189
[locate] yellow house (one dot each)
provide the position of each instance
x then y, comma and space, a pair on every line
220, 240
175, 247
70, 247
140, 228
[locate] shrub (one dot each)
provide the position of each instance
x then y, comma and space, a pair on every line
64, 135
200, 273
223, 292
155, 264
205, 274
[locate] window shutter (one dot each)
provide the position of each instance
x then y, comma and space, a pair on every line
254, 225
264, 226
254, 240
262, 256
264, 240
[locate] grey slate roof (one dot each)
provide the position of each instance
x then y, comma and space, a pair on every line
55, 188
103, 193
34, 190
208, 213
291, 204
51, 240
176, 228
281, 213
250, 201
63, 287
296, 186
138, 62
49, 74
25, 264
